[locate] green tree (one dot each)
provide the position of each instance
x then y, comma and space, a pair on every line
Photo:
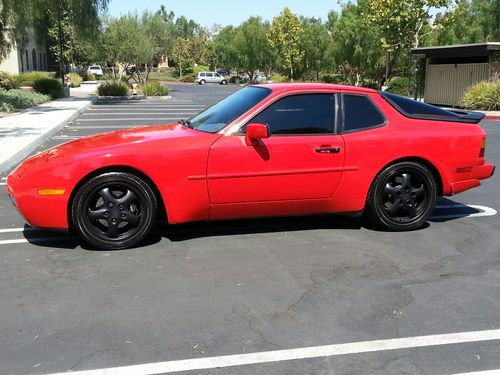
252, 46
13, 21
475, 21
126, 42
181, 52
284, 35
318, 44
358, 49
157, 30
224, 47
67, 23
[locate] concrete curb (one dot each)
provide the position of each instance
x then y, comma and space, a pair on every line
35, 143
492, 117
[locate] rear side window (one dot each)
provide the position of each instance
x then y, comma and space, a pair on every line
413, 108
202, 74
360, 113
209, 74
300, 114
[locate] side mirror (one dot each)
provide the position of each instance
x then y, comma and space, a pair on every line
256, 131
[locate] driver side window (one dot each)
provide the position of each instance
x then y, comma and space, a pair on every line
299, 114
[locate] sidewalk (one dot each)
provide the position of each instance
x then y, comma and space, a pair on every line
23, 132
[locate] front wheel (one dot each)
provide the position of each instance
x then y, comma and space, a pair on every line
114, 210
224, 82
402, 197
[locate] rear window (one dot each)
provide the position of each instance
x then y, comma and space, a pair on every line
360, 113
413, 108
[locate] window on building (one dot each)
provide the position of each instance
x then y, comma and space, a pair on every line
33, 56
41, 63
21, 56
44, 61
27, 61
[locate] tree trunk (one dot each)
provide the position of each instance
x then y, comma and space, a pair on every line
60, 39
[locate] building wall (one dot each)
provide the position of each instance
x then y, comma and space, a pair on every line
16, 61
445, 84
495, 66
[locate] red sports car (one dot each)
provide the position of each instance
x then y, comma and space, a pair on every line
269, 150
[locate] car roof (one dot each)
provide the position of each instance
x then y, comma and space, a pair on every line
278, 87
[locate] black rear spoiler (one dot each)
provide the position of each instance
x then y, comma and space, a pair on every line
469, 117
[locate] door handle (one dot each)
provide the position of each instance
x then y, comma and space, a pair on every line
328, 150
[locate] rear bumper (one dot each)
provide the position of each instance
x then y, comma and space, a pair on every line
478, 173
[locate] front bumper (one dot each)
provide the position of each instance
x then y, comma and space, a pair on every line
37, 211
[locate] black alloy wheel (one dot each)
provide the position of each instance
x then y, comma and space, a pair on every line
114, 210
402, 197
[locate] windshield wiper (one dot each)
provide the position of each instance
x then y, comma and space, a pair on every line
186, 123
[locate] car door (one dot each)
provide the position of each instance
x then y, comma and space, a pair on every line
303, 158
217, 78
210, 77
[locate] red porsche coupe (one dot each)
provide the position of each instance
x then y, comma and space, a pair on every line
267, 150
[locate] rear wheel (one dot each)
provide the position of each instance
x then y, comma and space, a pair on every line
202, 82
114, 210
402, 197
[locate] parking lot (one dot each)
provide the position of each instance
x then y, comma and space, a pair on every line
210, 290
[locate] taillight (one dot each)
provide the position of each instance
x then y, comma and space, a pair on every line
483, 148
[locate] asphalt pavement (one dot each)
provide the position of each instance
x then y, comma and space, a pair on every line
254, 286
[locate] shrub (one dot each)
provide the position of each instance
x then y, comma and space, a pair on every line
484, 95
189, 77
28, 79
370, 85
334, 78
75, 79
155, 88
89, 76
19, 99
277, 78
399, 86
6, 81
113, 89
49, 86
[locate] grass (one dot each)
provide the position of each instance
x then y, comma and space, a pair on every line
13, 100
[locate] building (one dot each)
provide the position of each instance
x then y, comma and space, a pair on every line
26, 58
450, 70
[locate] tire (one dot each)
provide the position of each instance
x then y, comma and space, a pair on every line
224, 82
202, 82
114, 210
402, 197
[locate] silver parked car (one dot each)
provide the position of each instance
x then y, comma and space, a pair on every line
210, 77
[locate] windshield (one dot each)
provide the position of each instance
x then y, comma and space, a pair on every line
226, 111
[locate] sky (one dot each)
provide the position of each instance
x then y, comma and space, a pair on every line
226, 12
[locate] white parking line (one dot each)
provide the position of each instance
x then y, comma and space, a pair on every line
23, 229
295, 354
487, 372
34, 240
486, 211
3, 184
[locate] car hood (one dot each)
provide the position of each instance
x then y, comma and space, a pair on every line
120, 138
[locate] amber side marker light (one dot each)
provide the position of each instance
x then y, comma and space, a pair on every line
45, 192
483, 148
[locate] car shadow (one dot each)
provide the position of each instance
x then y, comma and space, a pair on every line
446, 210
